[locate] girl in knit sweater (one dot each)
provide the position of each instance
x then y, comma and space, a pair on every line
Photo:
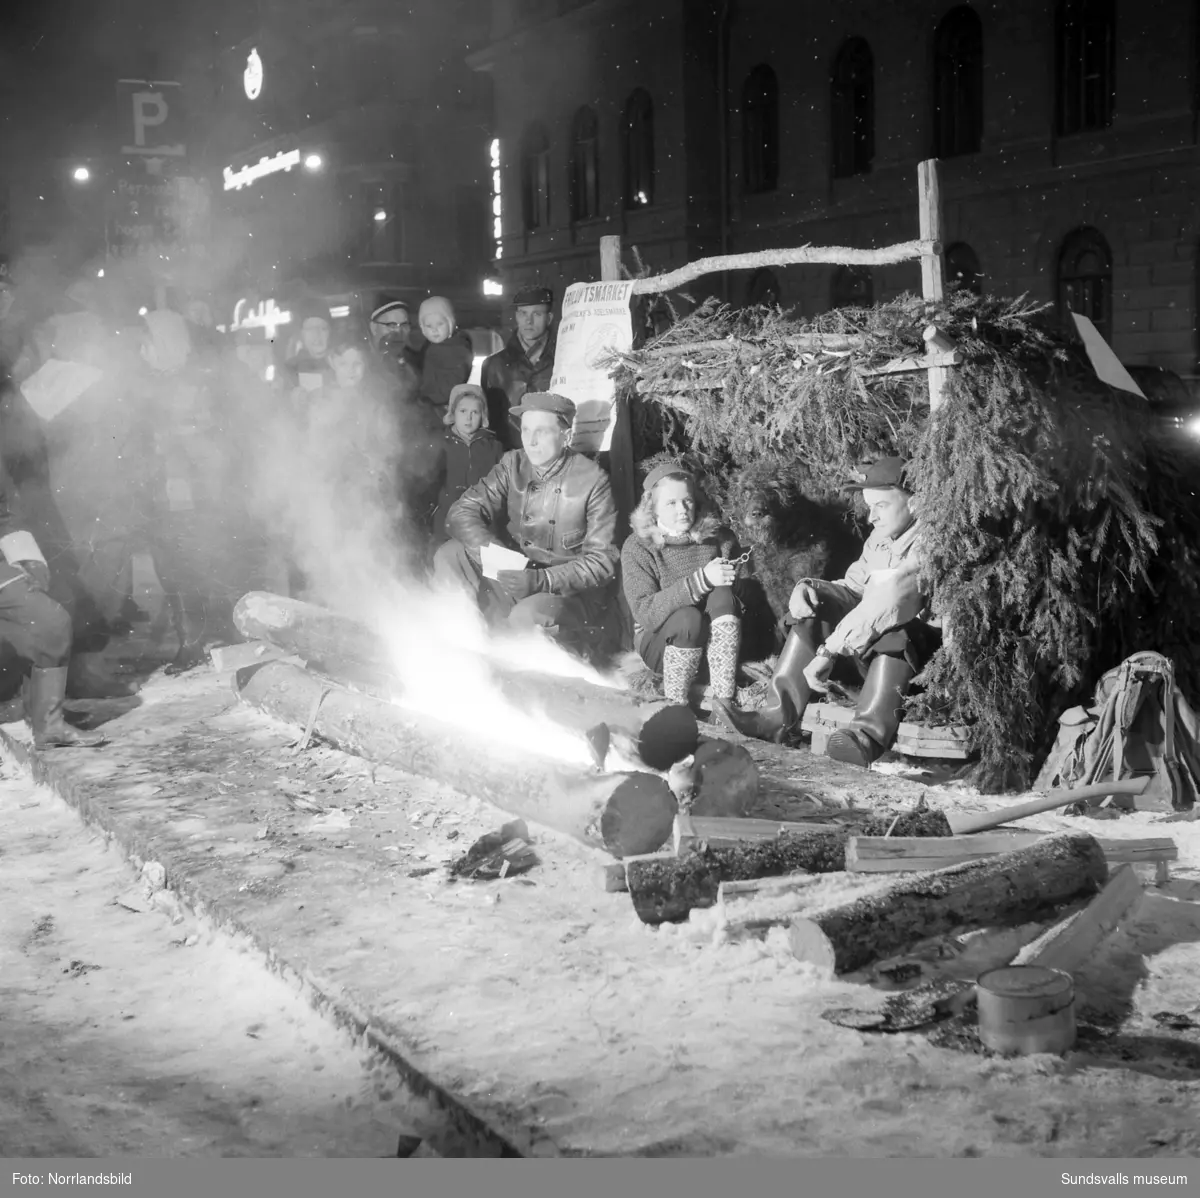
678, 579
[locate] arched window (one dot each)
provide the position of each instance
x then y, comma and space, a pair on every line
853, 287
1085, 64
763, 288
637, 139
853, 109
1085, 278
958, 84
962, 268
535, 178
760, 130
585, 171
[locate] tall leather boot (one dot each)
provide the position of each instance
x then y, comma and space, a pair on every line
47, 689
877, 718
680, 667
724, 641
787, 697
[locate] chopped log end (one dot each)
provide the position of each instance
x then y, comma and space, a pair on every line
668, 736
639, 816
728, 779
810, 946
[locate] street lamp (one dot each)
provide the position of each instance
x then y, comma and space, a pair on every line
81, 174
313, 162
380, 215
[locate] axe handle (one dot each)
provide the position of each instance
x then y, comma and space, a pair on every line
980, 821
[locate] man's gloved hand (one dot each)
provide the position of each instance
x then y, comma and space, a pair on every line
38, 574
520, 584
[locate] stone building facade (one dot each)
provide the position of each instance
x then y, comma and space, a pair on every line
1066, 132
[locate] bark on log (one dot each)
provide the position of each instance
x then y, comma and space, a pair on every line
665, 891
349, 651
1023, 886
624, 813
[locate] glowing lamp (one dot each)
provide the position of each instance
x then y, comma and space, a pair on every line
143, 311
493, 287
380, 215
313, 162
81, 174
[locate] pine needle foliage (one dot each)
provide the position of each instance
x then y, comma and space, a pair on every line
1061, 533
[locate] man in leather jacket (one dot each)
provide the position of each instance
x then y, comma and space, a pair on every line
552, 505
524, 364
37, 628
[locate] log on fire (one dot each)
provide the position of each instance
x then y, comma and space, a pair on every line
665, 890
1023, 886
626, 813
349, 651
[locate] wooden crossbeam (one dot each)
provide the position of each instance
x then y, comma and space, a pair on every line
828, 255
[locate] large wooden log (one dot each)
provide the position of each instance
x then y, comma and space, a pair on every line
665, 891
1023, 886
349, 651
626, 813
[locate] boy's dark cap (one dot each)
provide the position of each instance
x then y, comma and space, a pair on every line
533, 295
544, 401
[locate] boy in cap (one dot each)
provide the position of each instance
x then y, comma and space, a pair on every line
524, 364
871, 618
551, 504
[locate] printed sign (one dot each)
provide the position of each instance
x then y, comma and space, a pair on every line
596, 323
152, 124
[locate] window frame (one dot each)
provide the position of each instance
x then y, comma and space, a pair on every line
852, 109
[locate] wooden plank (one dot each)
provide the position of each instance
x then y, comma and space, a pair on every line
1069, 944
902, 854
912, 740
720, 832
896, 854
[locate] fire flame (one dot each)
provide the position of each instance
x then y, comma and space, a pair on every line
441, 651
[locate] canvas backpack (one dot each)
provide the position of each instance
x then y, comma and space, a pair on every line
1139, 725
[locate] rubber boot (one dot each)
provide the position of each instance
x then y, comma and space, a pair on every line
787, 697
680, 667
877, 718
47, 690
724, 641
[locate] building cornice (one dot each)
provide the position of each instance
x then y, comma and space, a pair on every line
537, 33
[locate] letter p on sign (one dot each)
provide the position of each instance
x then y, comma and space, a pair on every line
149, 111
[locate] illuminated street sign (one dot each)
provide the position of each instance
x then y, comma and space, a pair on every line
252, 77
260, 169
266, 316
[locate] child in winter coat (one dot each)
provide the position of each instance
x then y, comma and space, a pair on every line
448, 358
679, 583
469, 451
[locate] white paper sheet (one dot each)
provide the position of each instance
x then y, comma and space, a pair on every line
495, 558
1105, 363
56, 385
